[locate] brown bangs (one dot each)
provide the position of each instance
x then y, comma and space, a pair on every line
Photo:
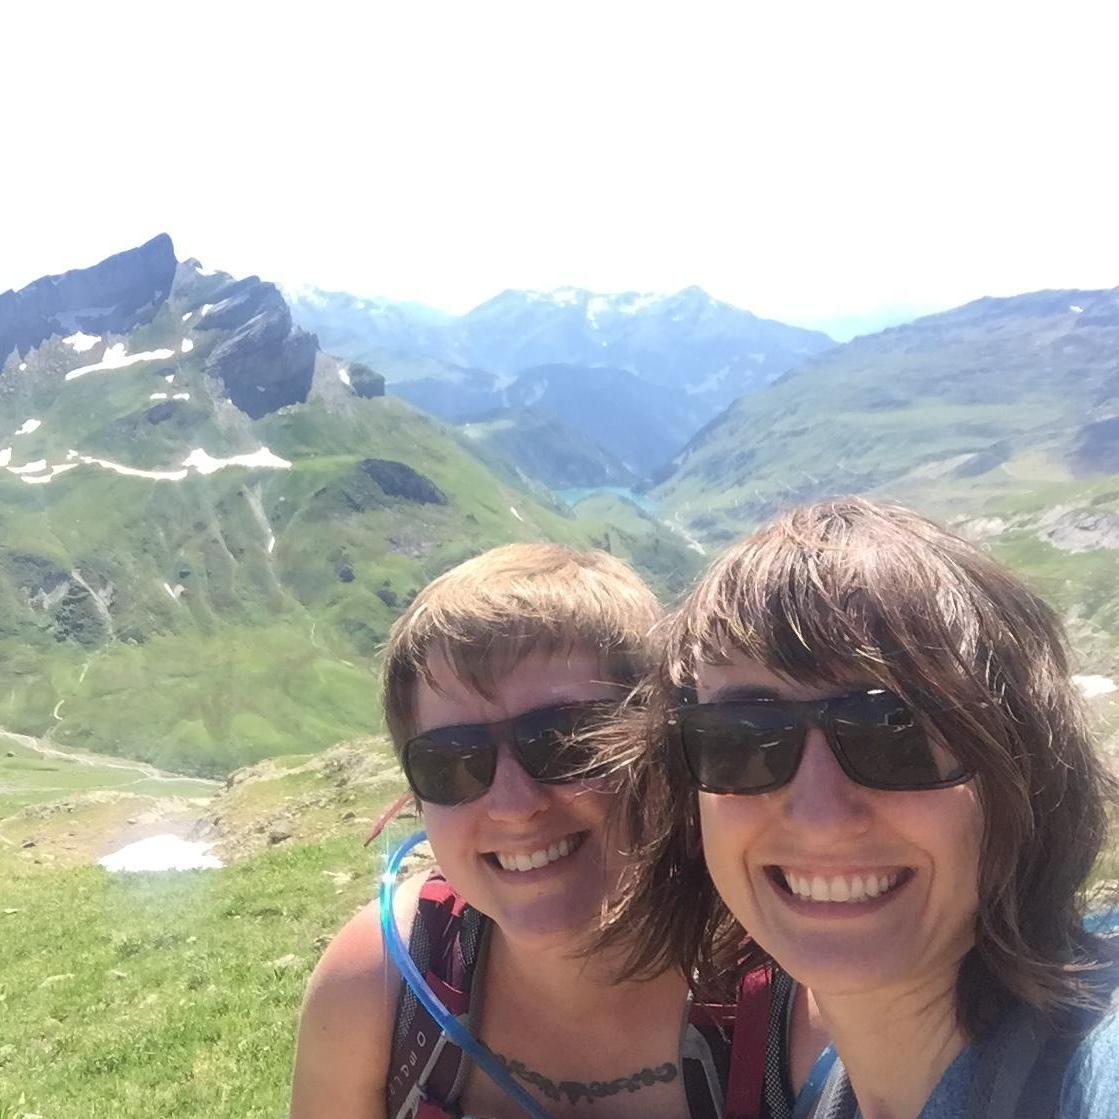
487, 615
853, 591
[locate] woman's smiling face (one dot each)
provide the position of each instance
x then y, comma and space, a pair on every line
850, 889
486, 847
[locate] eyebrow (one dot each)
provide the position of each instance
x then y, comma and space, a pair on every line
732, 693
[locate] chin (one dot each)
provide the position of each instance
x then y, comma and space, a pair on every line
547, 924
837, 974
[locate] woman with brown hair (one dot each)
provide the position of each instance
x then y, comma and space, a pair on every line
866, 729
491, 677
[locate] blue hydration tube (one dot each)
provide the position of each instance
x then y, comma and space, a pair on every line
1103, 924
810, 1091
456, 1032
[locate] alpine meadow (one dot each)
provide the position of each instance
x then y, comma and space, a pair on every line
217, 494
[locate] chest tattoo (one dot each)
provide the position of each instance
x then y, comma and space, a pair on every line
574, 1091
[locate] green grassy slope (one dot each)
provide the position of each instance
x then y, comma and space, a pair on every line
958, 397
262, 652
130, 996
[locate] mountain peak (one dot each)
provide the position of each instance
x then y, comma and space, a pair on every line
113, 296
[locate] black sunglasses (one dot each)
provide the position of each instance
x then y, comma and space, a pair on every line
454, 765
755, 745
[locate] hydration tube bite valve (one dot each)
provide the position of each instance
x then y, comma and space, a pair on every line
456, 1032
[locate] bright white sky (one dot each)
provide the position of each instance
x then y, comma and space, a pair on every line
809, 161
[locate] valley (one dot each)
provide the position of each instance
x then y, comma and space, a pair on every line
215, 498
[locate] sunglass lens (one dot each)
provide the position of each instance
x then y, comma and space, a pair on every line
445, 770
740, 747
557, 744
886, 747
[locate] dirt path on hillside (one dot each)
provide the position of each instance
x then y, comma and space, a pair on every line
146, 772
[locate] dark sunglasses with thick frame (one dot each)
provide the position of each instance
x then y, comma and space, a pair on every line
750, 746
457, 764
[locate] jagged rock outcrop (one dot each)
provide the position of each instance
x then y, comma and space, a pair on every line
399, 480
266, 362
112, 297
365, 381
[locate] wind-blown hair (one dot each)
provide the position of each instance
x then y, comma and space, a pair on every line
851, 590
486, 615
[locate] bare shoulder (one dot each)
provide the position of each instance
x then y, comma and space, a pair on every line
346, 1027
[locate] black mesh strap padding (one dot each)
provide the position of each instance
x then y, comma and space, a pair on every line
778, 1091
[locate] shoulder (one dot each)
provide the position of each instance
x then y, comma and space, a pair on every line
1091, 1083
346, 1026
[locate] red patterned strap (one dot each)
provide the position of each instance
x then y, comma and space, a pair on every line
746, 1087
424, 1068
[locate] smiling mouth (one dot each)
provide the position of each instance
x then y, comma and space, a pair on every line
542, 857
839, 888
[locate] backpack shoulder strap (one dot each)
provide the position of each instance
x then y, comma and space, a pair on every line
445, 943
1005, 1064
1022, 1068
746, 1086
705, 1057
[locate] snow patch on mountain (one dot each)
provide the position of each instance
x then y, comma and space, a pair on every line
187, 346
158, 396
207, 464
161, 852
201, 461
344, 376
133, 472
117, 357
82, 342
39, 479
29, 426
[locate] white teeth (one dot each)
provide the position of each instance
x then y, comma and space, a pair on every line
536, 859
840, 888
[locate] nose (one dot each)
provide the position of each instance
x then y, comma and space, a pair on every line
514, 795
821, 798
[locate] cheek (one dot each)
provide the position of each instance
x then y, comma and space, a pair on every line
446, 830
948, 824
591, 799
730, 825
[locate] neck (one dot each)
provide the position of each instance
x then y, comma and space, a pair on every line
561, 976
895, 1046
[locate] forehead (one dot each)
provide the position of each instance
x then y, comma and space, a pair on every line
742, 677
538, 680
